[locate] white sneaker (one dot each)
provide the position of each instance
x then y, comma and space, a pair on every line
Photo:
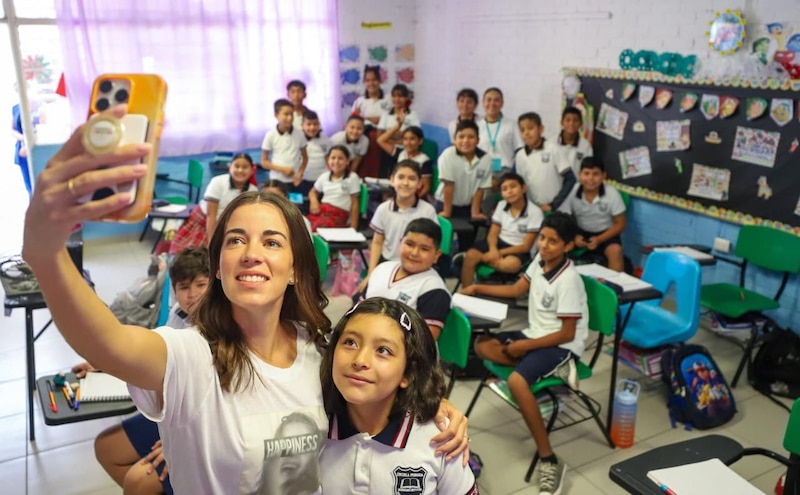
551, 477
567, 371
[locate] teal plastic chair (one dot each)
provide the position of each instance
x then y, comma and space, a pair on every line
322, 251
446, 246
602, 303
454, 343
163, 310
431, 150
649, 324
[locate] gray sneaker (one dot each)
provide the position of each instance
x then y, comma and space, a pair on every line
567, 371
551, 477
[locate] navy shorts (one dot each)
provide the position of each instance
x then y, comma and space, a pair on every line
603, 245
143, 434
537, 363
483, 247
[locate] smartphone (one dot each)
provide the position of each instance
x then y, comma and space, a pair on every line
145, 95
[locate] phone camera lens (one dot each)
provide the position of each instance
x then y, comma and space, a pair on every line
106, 86
121, 96
102, 104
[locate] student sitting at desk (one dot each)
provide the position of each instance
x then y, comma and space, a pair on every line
412, 280
340, 189
557, 327
132, 451
600, 213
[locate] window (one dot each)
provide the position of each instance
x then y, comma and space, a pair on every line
35, 9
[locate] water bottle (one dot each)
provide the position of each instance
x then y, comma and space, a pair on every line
623, 423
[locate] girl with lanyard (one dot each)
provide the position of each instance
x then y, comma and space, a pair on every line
220, 391
498, 137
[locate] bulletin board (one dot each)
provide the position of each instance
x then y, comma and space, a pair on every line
739, 163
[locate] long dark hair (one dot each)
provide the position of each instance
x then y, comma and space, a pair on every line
303, 302
375, 69
426, 383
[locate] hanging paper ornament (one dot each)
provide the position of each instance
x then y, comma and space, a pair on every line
794, 145
571, 85
688, 101
628, 89
709, 105
781, 110
727, 106
638, 126
764, 191
627, 59
755, 108
610, 94
726, 31
712, 138
679, 165
663, 97
646, 94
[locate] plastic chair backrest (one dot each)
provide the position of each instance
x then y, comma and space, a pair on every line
602, 302
323, 253
626, 198
664, 269
447, 235
455, 338
363, 200
163, 310
431, 149
769, 248
196, 177
791, 439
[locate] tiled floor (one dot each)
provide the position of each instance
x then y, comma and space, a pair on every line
62, 458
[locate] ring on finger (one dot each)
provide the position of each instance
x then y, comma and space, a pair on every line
71, 187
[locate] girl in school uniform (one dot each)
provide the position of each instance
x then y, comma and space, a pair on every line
400, 113
410, 150
381, 383
370, 107
340, 190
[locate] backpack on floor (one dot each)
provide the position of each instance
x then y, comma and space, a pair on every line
775, 370
699, 396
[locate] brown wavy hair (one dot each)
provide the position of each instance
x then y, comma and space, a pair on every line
303, 302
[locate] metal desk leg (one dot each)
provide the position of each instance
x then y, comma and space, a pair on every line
31, 369
617, 339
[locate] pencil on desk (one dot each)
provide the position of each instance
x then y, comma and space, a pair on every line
53, 404
67, 396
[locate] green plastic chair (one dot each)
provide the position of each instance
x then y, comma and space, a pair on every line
454, 343
446, 246
766, 248
323, 253
195, 181
602, 303
431, 149
363, 200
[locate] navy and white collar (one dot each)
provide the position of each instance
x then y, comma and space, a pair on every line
395, 434
522, 213
291, 130
478, 152
551, 275
601, 192
244, 188
561, 140
529, 150
393, 206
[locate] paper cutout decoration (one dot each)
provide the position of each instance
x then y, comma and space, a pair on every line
755, 108
350, 76
663, 97
672, 135
638, 126
628, 89
726, 32
611, 121
635, 162
646, 94
764, 191
679, 165
755, 146
571, 86
627, 59
782, 110
797, 207
349, 53
712, 138
794, 145
688, 101
406, 75
727, 106
404, 53
709, 105
709, 182
378, 53
610, 94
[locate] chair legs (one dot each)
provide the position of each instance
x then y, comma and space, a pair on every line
477, 392
144, 230
596, 415
550, 423
747, 356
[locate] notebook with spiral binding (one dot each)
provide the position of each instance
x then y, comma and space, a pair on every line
102, 387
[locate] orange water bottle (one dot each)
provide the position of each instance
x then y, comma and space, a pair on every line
623, 422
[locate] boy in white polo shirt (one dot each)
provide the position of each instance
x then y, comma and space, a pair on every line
574, 148
541, 163
316, 150
600, 213
283, 151
557, 327
508, 244
466, 102
412, 280
296, 93
354, 139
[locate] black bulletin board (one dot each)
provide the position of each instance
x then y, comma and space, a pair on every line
666, 183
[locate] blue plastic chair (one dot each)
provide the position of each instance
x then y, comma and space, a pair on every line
650, 325
163, 310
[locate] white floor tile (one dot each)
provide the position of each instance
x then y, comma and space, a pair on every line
13, 477
54, 471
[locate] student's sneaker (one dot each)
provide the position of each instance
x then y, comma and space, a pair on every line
551, 477
567, 371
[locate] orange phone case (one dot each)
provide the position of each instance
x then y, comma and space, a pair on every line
148, 94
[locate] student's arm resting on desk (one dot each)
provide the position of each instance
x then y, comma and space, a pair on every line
519, 348
514, 291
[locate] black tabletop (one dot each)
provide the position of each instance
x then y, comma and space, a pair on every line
86, 410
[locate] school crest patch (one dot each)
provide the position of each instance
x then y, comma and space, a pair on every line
409, 481
547, 300
545, 157
603, 207
403, 297
480, 174
579, 156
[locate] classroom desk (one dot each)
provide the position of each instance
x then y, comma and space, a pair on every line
346, 246
86, 410
710, 261
165, 216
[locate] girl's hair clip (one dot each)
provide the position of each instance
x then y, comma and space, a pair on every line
405, 321
352, 310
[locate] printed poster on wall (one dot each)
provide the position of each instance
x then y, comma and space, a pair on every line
709, 182
672, 135
635, 162
611, 121
755, 146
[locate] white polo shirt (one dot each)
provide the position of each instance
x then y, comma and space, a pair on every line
468, 177
399, 460
338, 192
177, 318
284, 148
543, 170
371, 107
451, 126
222, 190
391, 221
575, 153
553, 296
505, 133
424, 291
425, 163
317, 150
297, 118
219, 442
356, 148
389, 120
514, 229
597, 216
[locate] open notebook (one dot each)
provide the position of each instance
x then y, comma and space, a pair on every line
102, 387
702, 478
